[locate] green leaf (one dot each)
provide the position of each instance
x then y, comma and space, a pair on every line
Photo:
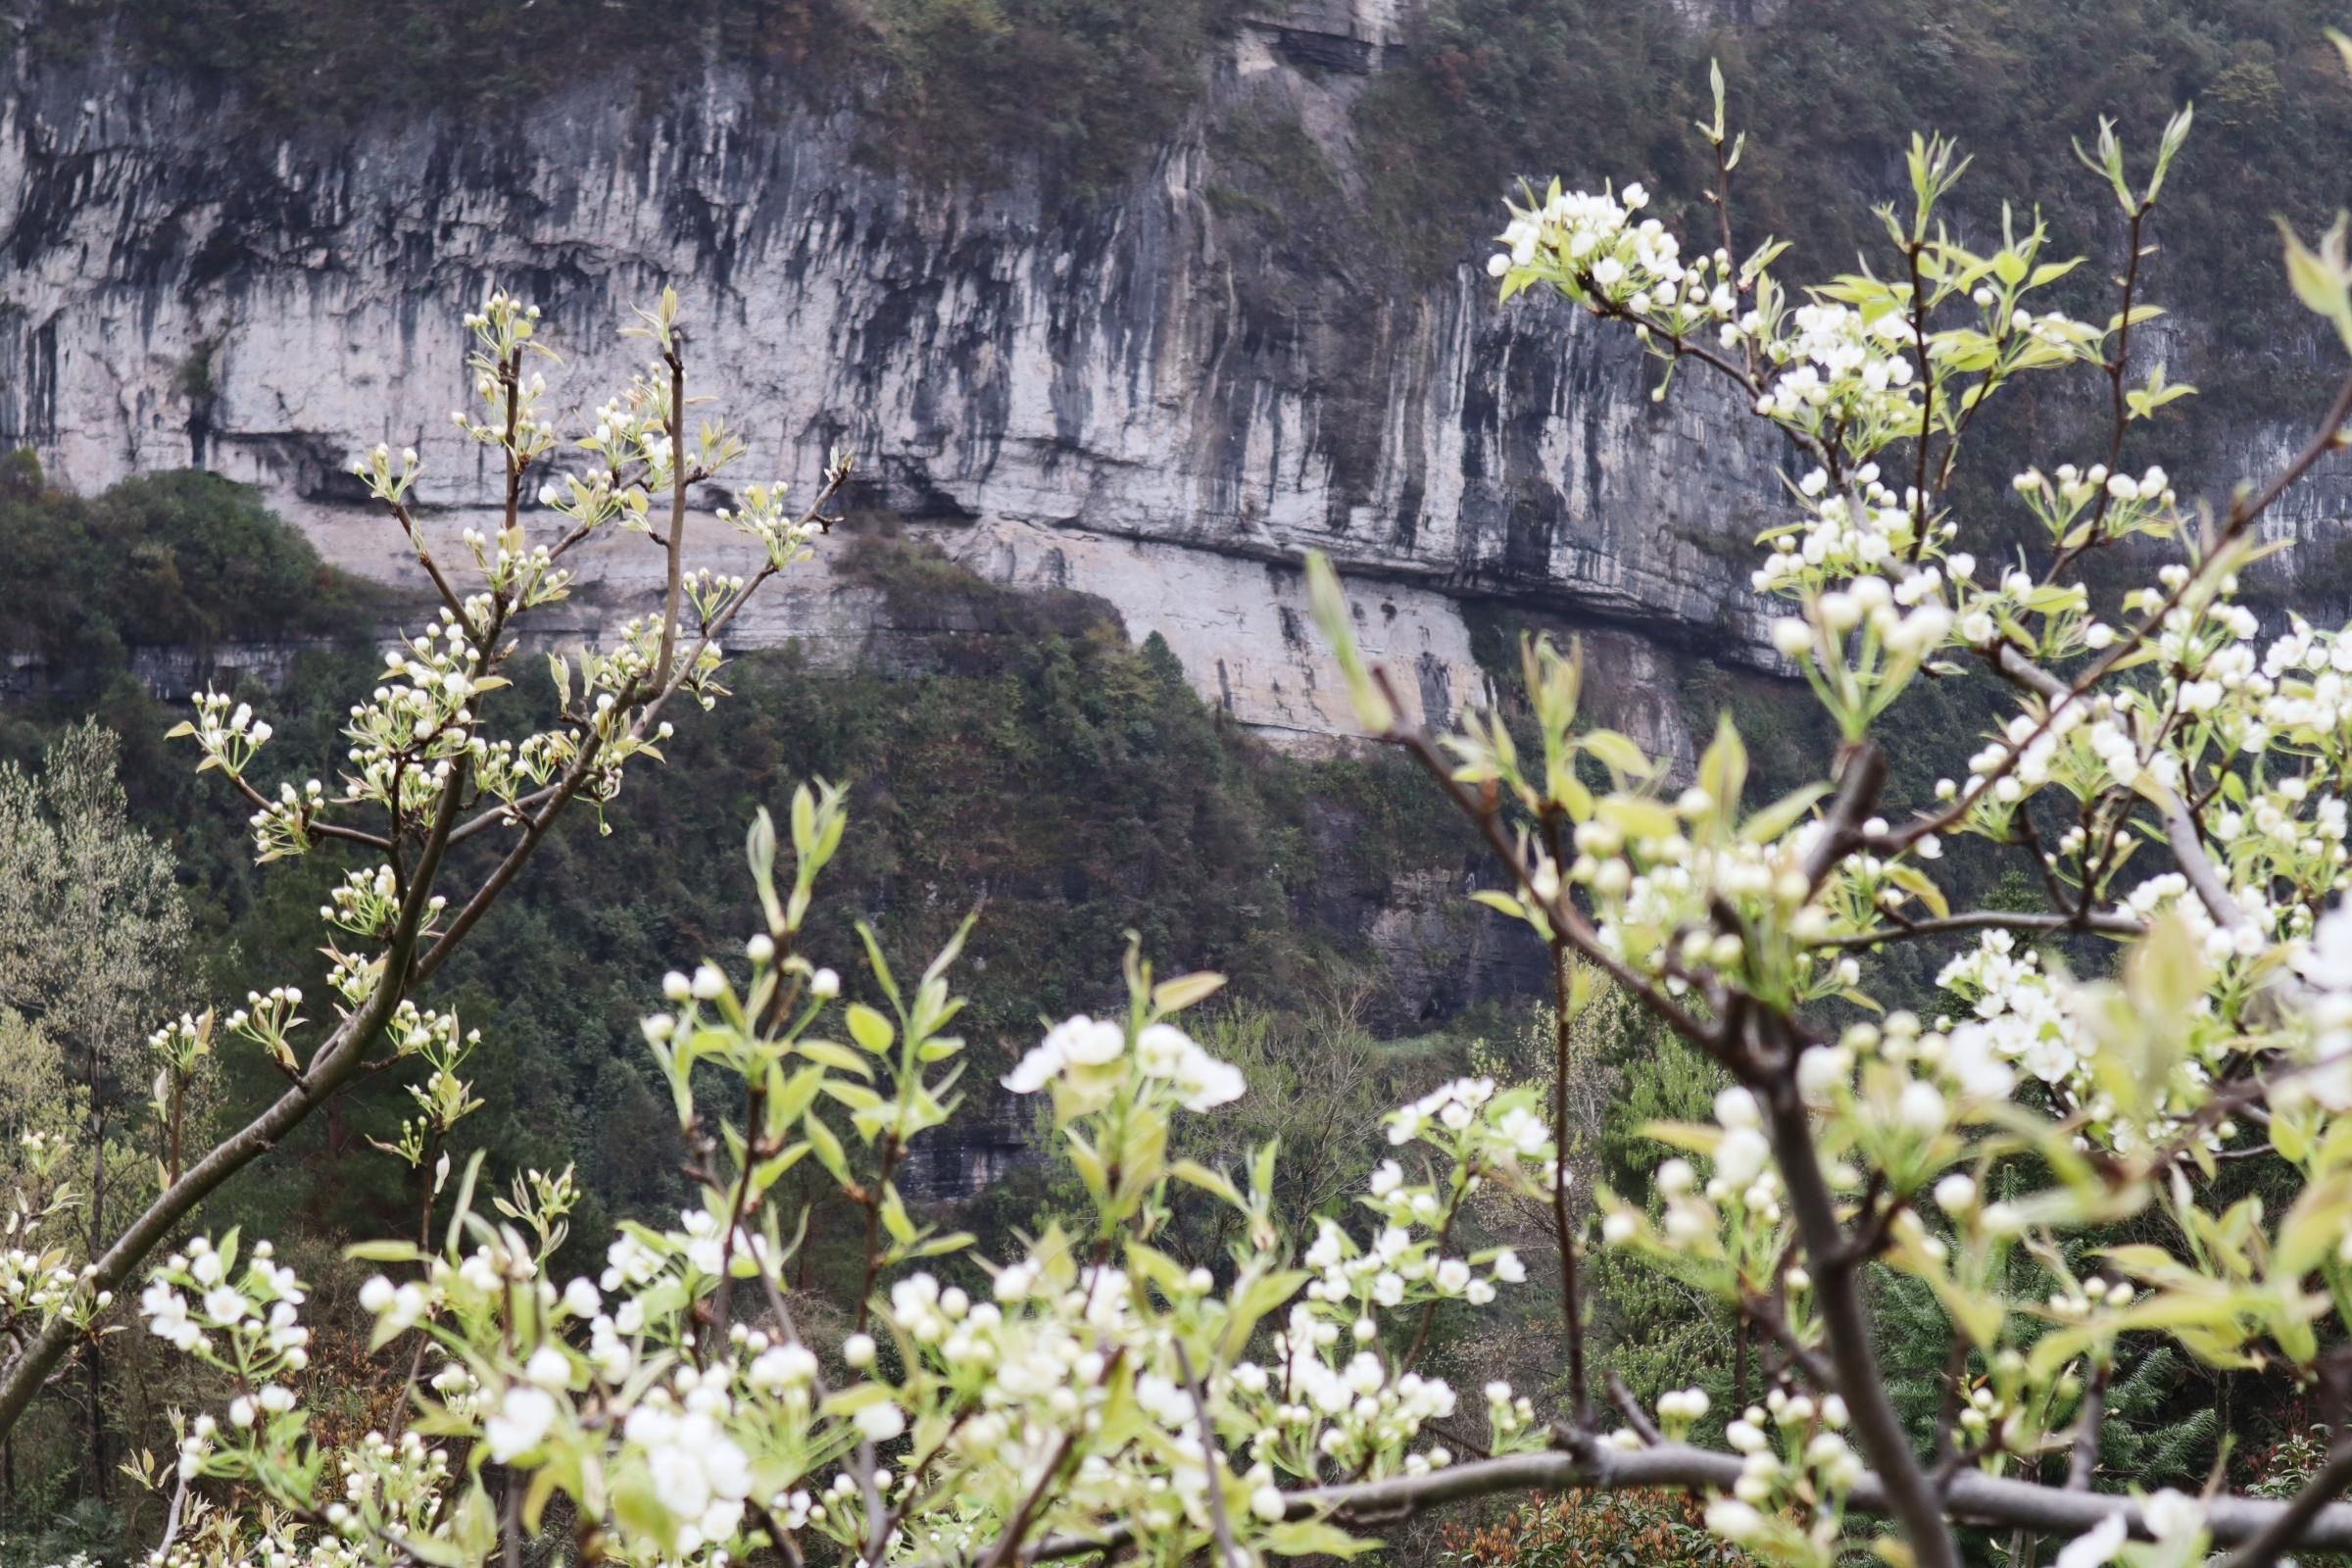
1091, 1170
1195, 1174
2175, 133
1617, 752
464, 1204
2320, 277
1174, 996
383, 1252
894, 1218
872, 1032
1329, 605
1912, 881
828, 1147
854, 1096
790, 1098
1637, 817
835, 1055
1782, 815
1267, 1293
853, 1398
1304, 1538
1495, 898
760, 850
1723, 770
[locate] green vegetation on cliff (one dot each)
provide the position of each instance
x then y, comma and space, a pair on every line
183, 559
960, 88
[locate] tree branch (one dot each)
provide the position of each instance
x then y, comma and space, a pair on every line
2297, 1521
336, 1061
1858, 787
1229, 1555
2188, 851
1973, 1497
1847, 1332
2085, 1460
676, 543
2111, 925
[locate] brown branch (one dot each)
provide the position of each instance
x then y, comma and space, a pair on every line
1973, 1497
324, 830
506, 812
2113, 926
1563, 1233
424, 559
2293, 1524
1767, 1315
1927, 403
1631, 1408
2085, 1460
1858, 787
1847, 1330
675, 545
1229, 1555
2116, 370
2188, 851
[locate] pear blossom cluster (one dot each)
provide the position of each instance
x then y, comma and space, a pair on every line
1836, 368
244, 1323
1844, 533
1091, 1382
227, 736
763, 515
2077, 504
518, 573
1162, 1054
281, 827
37, 1286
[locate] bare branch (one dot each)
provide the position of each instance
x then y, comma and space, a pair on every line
2112, 925
2297, 1523
1858, 787
2188, 851
675, 545
1973, 1497
2085, 1460
1846, 1331
1229, 1555
1631, 1408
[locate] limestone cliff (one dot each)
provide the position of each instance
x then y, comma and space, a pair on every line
1131, 396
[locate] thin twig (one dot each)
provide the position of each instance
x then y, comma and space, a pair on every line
2085, 1460
1229, 1555
1631, 1408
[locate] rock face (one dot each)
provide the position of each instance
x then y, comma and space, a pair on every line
1127, 397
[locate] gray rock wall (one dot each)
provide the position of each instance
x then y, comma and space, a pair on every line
1130, 396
